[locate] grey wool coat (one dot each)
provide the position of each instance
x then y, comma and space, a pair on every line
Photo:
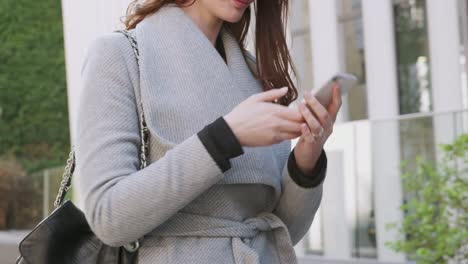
182, 205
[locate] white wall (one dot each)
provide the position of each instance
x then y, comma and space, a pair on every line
382, 94
444, 54
83, 21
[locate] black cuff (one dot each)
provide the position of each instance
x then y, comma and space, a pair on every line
316, 177
220, 142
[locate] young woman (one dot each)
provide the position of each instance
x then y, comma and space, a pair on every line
222, 184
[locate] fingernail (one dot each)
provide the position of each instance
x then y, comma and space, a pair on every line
284, 88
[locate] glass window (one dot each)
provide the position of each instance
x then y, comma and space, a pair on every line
313, 240
362, 217
412, 56
352, 36
301, 51
364, 227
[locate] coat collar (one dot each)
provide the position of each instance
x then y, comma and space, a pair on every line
172, 30
178, 64
185, 84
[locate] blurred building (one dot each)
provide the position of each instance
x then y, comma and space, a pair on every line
409, 56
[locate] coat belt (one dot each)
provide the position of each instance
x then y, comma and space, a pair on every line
186, 224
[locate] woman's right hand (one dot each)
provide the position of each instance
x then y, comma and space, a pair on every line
257, 121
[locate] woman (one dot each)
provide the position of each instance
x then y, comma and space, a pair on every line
222, 184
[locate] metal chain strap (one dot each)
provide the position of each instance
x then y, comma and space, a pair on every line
66, 182
144, 128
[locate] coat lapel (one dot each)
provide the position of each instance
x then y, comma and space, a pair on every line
185, 83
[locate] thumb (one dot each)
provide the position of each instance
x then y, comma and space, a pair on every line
271, 95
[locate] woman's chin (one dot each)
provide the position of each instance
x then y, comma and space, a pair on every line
234, 16
231, 11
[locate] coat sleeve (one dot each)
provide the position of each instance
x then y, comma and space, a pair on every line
122, 203
301, 196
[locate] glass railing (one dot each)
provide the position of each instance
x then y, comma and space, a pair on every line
361, 153
27, 199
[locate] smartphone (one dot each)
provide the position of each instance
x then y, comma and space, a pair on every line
345, 82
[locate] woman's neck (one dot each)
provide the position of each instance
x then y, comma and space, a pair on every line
209, 24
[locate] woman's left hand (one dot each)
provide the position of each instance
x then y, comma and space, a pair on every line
308, 148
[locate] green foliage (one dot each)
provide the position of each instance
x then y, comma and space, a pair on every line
33, 96
435, 226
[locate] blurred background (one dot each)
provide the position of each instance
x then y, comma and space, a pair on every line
396, 189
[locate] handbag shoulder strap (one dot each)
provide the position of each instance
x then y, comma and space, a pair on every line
143, 127
66, 182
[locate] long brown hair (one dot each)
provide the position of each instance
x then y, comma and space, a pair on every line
272, 55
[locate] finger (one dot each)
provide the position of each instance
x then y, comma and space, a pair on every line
285, 112
270, 95
280, 136
284, 125
312, 122
318, 109
336, 103
307, 134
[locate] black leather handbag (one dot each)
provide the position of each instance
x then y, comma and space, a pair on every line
64, 237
